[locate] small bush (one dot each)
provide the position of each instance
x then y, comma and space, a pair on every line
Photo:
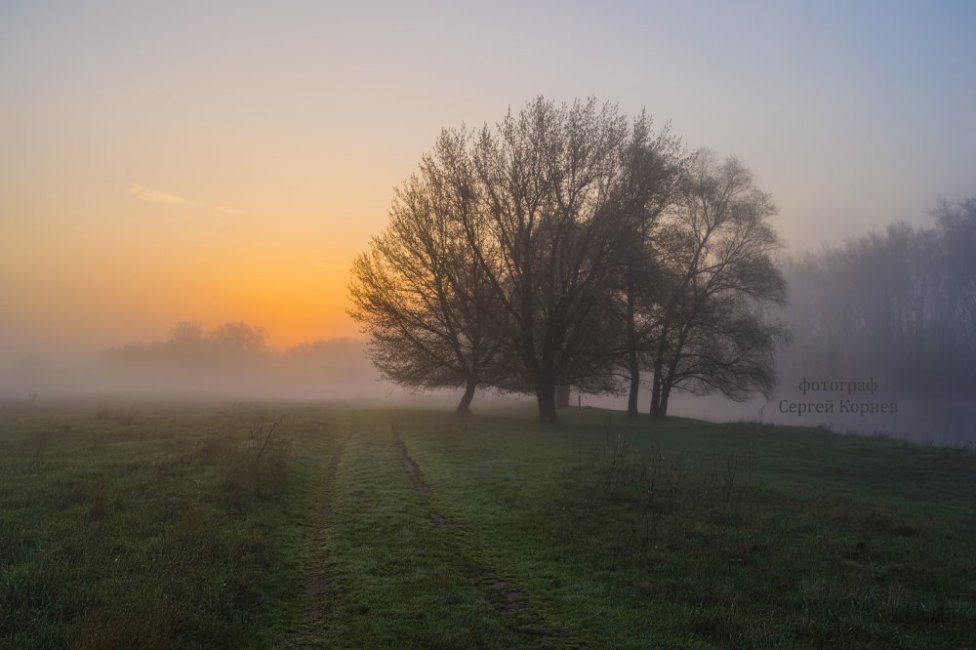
262, 468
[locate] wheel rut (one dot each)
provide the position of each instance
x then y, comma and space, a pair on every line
321, 596
506, 596
420, 485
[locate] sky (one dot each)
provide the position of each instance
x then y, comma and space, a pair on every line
225, 161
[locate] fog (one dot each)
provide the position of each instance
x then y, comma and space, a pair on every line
228, 362
883, 342
232, 179
882, 337
232, 363
945, 422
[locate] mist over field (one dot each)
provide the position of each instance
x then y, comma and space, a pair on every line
339, 370
234, 185
231, 362
881, 342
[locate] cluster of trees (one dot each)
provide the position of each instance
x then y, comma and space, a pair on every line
190, 346
240, 350
898, 305
569, 245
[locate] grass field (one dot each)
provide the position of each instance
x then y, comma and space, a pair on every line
275, 525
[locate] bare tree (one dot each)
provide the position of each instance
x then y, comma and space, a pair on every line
716, 255
899, 305
653, 165
417, 291
534, 255
957, 232
729, 346
227, 348
546, 233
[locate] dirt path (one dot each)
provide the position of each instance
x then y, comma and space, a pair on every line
320, 596
507, 597
409, 466
413, 471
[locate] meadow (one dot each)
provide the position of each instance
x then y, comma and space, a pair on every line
325, 525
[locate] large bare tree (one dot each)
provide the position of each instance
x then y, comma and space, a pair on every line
547, 233
716, 256
653, 164
555, 247
417, 290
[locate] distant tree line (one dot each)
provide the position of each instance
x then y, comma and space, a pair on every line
569, 245
240, 350
190, 346
899, 305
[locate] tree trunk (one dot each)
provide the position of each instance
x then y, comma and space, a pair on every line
658, 398
656, 391
665, 394
632, 360
634, 386
562, 396
658, 386
545, 393
667, 382
464, 406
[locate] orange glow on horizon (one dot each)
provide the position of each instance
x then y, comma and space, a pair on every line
224, 163
150, 266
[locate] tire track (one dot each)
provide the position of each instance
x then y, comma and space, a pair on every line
320, 592
506, 597
419, 484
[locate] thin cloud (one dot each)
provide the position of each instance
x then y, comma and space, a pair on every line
152, 195
144, 193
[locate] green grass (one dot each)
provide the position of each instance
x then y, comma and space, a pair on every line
212, 526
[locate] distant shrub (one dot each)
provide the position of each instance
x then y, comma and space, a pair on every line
262, 468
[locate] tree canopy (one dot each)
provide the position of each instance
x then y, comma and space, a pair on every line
553, 249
